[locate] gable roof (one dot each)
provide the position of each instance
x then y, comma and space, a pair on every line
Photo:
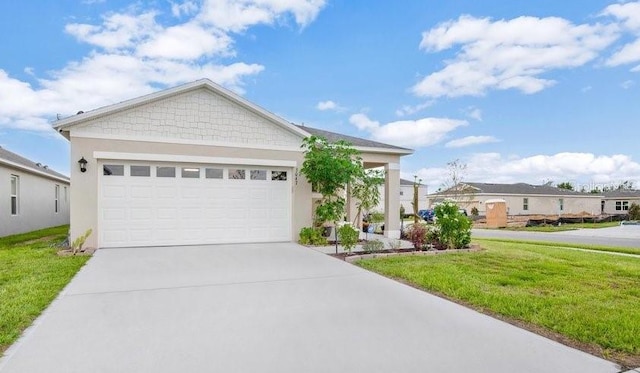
63, 125
14, 160
355, 141
521, 189
624, 193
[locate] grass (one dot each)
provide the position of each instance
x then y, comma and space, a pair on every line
613, 249
31, 276
565, 227
592, 299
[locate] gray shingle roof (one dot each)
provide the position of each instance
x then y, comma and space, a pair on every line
522, 188
622, 194
355, 141
22, 161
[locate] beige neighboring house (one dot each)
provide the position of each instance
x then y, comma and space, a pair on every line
406, 197
33, 195
618, 202
198, 164
521, 199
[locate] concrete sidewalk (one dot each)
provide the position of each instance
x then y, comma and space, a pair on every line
267, 308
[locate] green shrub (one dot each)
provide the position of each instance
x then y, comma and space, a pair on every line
372, 246
634, 211
312, 236
77, 244
348, 237
454, 228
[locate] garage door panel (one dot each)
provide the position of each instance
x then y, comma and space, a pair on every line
151, 210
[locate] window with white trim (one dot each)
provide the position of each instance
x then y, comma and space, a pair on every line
57, 199
525, 204
561, 204
15, 194
622, 205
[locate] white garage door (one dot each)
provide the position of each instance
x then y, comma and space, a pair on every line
160, 204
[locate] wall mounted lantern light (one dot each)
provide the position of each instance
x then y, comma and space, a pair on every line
83, 164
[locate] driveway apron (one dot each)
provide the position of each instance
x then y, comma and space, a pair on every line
267, 308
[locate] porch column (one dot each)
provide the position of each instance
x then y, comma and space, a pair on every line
392, 200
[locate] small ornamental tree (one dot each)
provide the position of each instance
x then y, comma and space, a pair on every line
454, 227
366, 190
330, 167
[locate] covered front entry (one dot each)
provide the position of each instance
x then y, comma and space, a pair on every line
160, 203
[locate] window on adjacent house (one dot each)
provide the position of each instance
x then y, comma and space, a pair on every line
57, 199
525, 204
561, 204
15, 192
622, 205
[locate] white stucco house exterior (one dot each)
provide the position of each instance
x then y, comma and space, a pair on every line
521, 198
198, 164
34, 196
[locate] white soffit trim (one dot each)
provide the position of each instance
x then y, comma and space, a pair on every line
102, 136
33, 171
383, 150
192, 159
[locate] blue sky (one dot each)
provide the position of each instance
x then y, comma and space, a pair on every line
527, 91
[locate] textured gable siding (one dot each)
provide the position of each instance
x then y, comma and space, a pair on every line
199, 115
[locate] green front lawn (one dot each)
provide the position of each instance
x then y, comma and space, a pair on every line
591, 298
31, 276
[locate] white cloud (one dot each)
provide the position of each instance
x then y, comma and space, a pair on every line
583, 168
628, 15
508, 54
328, 105
586, 89
135, 53
408, 133
409, 110
470, 140
474, 113
627, 84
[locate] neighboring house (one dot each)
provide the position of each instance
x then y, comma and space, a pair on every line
33, 195
619, 201
521, 198
198, 164
406, 196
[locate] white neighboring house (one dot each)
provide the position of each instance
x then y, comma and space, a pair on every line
198, 164
521, 198
33, 196
619, 201
406, 197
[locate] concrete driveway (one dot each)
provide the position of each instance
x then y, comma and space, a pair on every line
267, 308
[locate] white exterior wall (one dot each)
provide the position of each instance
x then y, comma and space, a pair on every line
36, 209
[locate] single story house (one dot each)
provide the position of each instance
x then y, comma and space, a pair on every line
619, 201
198, 164
406, 196
34, 196
521, 198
